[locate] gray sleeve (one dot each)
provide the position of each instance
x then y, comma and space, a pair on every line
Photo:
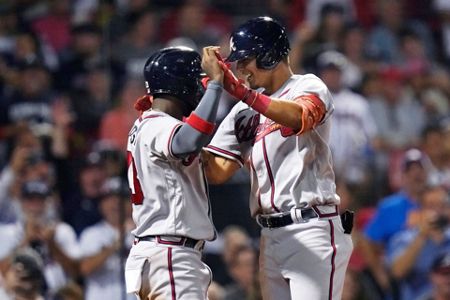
188, 140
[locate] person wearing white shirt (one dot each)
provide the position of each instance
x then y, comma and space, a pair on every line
54, 241
102, 249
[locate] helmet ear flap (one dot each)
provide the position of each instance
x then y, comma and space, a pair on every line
267, 60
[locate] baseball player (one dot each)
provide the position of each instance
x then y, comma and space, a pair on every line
281, 131
171, 208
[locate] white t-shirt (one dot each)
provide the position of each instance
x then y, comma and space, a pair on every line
107, 281
65, 238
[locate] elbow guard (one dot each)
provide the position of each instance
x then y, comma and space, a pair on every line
313, 111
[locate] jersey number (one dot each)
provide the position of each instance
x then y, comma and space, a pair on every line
137, 197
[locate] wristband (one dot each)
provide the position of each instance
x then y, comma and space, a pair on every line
257, 101
199, 124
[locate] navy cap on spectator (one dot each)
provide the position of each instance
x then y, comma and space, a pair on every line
331, 60
414, 156
35, 189
441, 264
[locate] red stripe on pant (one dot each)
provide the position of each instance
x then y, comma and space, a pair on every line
172, 279
333, 256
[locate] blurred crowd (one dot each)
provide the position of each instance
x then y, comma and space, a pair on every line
70, 72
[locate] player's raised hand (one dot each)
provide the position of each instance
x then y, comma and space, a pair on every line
210, 63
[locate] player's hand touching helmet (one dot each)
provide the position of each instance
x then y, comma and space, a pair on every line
210, 64
239, 90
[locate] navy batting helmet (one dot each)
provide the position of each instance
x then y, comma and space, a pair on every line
262, 38
175, 71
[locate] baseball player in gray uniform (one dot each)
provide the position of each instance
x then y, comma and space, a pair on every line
171, 208
281, 132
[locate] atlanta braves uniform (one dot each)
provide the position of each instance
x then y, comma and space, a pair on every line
291, 178
172, 213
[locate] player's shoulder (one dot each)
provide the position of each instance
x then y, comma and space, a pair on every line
307, 82
157, 121
310, 77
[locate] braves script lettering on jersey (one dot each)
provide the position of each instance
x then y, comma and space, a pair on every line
170, 201
291, 172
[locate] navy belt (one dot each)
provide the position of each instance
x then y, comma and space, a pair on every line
184, 241
280, 220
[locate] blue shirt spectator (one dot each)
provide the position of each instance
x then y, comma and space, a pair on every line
390, 217
417, 282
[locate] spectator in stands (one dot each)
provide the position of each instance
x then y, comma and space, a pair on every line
90, 104
41, 230
243, 268
140, 40
105, 244
24, 278
53, 28
31, 101
80, 201
411, 252
433, 141
399, 119
353, 137
440, 279
384, 38
391, 215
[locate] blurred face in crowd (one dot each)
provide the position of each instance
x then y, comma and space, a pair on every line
98, 84
112, 206
441, 282
191, 21
233, 239
34, 81
353, 42
34, 206
146, 26
436, 201
243, 267
433, 145
18, 281
415, 176
332, 77
86, 43
25, 46
391, 12
91, 180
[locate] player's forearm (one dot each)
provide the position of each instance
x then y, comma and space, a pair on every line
218, 169
189, 139
286, 113
402, 265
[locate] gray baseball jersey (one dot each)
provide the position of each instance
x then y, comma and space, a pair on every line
285, 169
169, 195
